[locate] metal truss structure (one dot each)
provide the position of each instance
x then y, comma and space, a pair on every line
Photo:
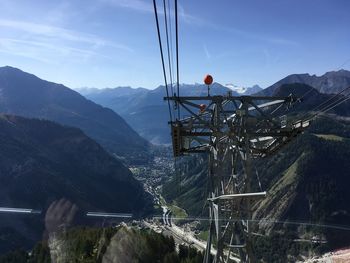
233, 130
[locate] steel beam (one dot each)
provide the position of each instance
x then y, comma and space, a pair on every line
234, 130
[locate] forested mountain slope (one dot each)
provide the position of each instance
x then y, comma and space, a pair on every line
42, 162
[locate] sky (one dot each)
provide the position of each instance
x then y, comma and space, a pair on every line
110, 43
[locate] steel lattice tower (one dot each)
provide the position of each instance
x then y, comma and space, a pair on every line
233, 130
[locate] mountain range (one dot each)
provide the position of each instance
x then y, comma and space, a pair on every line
330, 82
26, 95
48, 152
146, 111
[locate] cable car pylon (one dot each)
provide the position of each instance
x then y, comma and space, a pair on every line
233, 131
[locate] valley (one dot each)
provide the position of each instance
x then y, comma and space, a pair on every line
44, 159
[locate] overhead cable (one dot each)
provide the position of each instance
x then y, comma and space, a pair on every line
162, 56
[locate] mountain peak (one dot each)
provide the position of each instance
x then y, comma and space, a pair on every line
330, 82
9, 69
341, 72
26, 95
244, 90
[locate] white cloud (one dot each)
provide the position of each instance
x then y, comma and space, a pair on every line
58, 33
47, 43
137, 5
207, 54
42, 51
147, 7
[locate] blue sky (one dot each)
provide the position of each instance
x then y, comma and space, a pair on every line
109, 43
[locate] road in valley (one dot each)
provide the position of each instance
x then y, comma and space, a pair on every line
182, 237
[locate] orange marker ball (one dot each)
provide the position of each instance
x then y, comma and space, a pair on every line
208, 79
202, 107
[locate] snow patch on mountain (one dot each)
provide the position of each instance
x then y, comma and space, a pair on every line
243, 90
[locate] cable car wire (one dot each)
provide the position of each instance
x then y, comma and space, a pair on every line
171, 44
340, 98
168, 49
325, 104
177, 56
162, 56
344, 99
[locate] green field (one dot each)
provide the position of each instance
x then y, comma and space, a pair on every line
331, 137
